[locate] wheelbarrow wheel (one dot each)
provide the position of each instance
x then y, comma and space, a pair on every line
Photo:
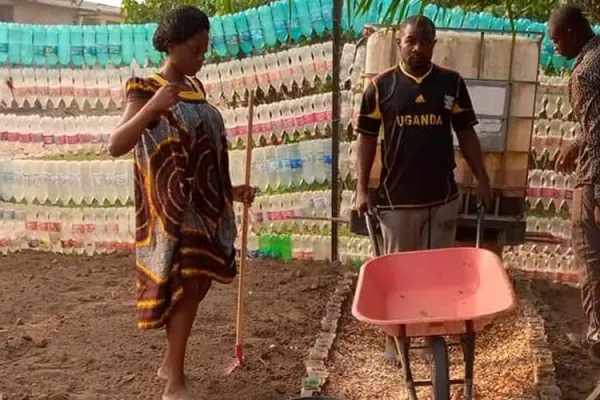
440, 374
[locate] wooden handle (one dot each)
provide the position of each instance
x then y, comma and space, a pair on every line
239, 338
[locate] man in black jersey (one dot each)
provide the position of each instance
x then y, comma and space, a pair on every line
418, 104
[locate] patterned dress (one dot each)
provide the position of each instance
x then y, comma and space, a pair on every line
185, 223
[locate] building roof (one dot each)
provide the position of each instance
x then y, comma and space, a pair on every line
80, 5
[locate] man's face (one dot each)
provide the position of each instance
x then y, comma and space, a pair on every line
564, 40
416, 45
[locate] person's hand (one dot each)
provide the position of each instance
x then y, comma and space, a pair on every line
363, 202
165, 98
485, 194
566, 160
243, 194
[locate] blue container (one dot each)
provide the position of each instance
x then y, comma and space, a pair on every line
64, 45
243, 31
280, 13
301, 7
26, 44
327, 11
127, 51
218, 37
102, 45
14, 43
140, 45
3, 43
76, 39
258, 39
231, 35
51, 45
268, 27
316, 17
89, 44
39, 45
114, 45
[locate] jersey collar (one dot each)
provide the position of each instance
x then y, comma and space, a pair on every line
417, 79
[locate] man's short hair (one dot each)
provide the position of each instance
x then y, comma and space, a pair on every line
569, 17
418, 21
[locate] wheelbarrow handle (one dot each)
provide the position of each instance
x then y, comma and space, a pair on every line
480, 217
369, 221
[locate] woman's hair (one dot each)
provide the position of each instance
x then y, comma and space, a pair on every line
179, 25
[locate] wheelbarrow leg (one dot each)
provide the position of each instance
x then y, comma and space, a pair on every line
468, 345
403, 344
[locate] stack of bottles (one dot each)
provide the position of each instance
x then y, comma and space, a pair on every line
103, 88
549, 262
66, 230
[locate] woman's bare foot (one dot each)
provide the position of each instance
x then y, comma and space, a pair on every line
179, 393
163, 374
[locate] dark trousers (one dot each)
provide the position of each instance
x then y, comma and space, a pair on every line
586, 247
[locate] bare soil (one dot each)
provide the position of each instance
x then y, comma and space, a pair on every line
68, 331
576, 373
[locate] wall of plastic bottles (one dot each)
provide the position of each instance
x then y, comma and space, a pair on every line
243, 33
60, 192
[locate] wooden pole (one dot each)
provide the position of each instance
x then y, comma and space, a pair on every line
239, 325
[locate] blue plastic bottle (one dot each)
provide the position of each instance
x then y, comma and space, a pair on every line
456, 18
231, 35
76, 46
314, 8
64, 45
127, 44
27, 44
89, 44
51, 49
360, 18
14, 43
431, 11
39, 43
218, 37
442, 18
497, 23
414, 7
114, 45
3, 43
241, 25
485, 20
304, 18
373, 13
347, 15
102, 45
268, 27
258, 39
153, 55
471, 20
293, 21
140, 46
327, 10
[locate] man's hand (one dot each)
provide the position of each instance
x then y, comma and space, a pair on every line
363, 202
484, 192
567, 158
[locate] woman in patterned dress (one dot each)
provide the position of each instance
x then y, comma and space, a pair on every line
185, 223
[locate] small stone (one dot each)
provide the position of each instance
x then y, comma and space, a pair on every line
27, 338
314, 286
20, 321
42, 344
128, 378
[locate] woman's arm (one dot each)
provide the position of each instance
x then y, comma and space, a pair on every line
136, 118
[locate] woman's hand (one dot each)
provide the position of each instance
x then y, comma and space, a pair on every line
243, 194
165, 98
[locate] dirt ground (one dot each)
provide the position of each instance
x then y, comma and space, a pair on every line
503, 367
576, 373
67, 331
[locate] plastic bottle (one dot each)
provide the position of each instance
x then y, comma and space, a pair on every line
51, 45
64, 45
27, 44
102, 45
218, 37
268, 27
295, 163
76, 39
456, 18
114, 45
258, 39
303, 11
140, 46
280, 14
14, 43
89, 45
316, 17
326, 11
127, 50
3, 43
243, 32
39, 44
231, 35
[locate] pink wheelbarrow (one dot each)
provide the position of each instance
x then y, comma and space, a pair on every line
434, 294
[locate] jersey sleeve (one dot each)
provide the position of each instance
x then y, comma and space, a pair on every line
138, 89
369, 118
463, 114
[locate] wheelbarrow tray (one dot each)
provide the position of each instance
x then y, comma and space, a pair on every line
433, 292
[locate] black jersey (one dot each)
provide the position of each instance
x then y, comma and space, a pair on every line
418, 114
